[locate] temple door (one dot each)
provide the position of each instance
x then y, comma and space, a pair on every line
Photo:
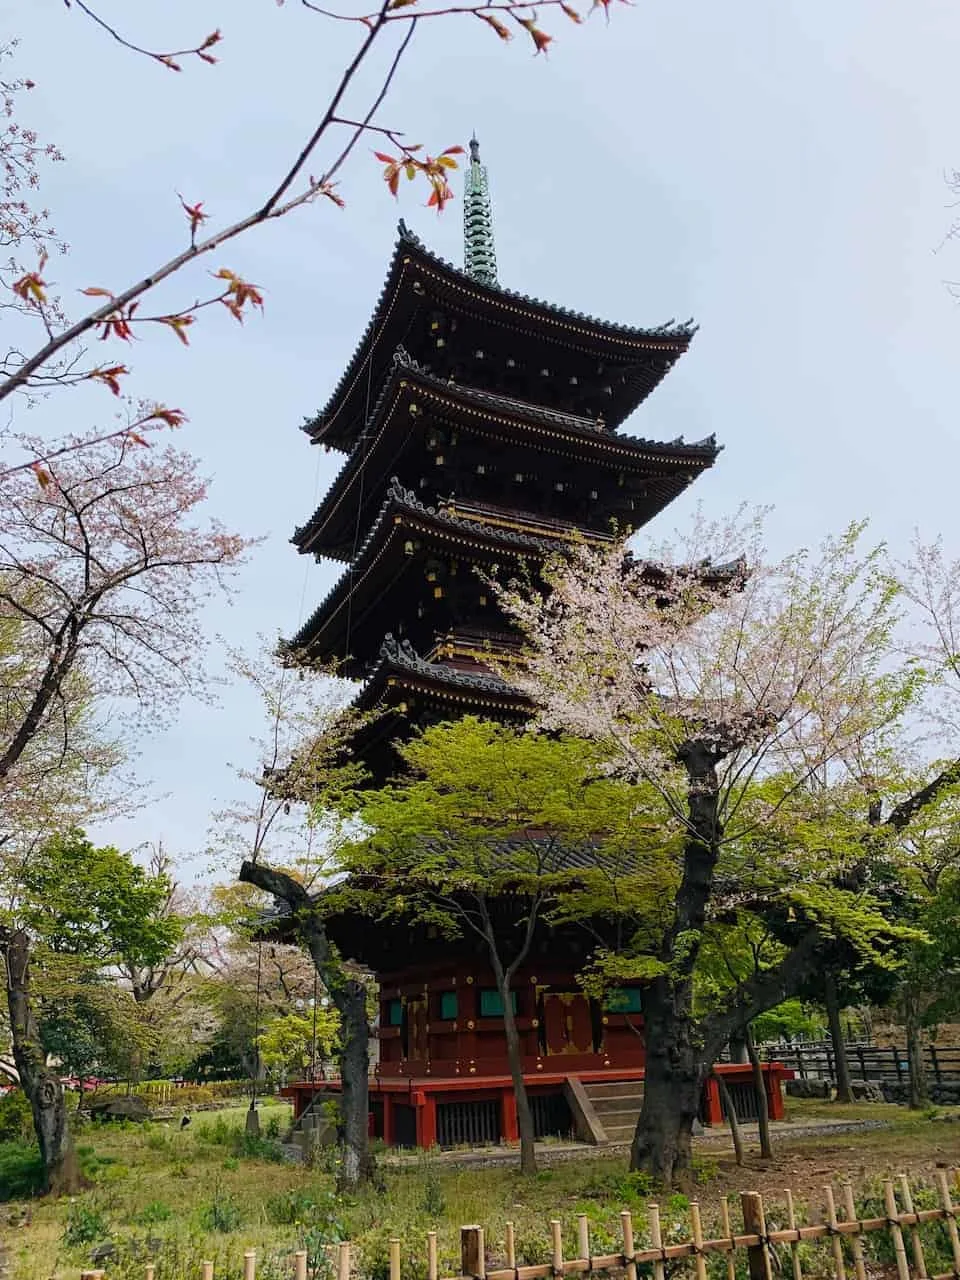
566, 1017
417, 1049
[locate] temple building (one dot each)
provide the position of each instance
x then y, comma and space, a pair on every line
481, 429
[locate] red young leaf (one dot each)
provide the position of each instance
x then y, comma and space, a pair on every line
42, 474
30, 288
172, 417
109, 376
94, 292
179, 325
497, 25
385, 159
328, 190
194, 212
539, 38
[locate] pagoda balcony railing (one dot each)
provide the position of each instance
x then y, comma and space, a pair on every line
522, 522
477, 646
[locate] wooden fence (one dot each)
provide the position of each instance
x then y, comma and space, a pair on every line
766, 1252
867, 1062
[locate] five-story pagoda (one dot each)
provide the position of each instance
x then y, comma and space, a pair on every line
482, 430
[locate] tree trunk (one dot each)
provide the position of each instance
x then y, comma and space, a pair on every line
349, 995
677, 1060
730, 1107
42, 1087
738, 1048
918, 1095
675, 1069
351, 1002
763, 1111
528, 1151
841, 1064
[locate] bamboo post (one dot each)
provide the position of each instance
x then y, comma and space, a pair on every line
856, 1243
472, 1262
626, 1226
656, 1239
206, 1271
728, 1232
148, 1271
918, 1259
394, 1258
300, 1265
556, 1240
697, 1225
431, 1255
583, 1238
836, 1244
758, 1257
896, 1235
944, 1184
794, 1244
511, 1247
343, 1260
250, 1264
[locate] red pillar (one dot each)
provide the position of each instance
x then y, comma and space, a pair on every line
388, 1120
426, 1106
712, 1111
508, 1116
771, 1079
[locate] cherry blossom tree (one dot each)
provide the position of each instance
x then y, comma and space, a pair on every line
759, 701
105, 564
288, 840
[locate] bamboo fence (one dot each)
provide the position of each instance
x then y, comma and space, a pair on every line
768, 1253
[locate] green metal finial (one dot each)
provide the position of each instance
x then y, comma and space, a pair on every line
479, 257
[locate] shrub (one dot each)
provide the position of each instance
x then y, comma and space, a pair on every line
375, 1258
152, 1213
21, 1170
223, 1213
84, 1224
16, 1118
289, 1208
433, 1202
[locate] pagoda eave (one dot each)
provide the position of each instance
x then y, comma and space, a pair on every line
412, 400
404, 533
418, 278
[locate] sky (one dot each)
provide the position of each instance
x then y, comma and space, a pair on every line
775, 169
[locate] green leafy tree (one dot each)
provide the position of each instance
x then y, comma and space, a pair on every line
927, 989
78, 910
486, 814
292, 1042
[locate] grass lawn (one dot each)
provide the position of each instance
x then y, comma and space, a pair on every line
204, 1192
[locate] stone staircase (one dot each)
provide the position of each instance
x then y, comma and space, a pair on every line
617, 1106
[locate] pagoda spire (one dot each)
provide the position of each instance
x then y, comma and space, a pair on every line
479, 253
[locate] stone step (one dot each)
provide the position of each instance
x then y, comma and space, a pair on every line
617, 1115
620, 1135
603, 1106
622, 1096
614, 1089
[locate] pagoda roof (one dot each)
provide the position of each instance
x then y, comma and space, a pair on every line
400, 664
552, 430
414, 270
401, 513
